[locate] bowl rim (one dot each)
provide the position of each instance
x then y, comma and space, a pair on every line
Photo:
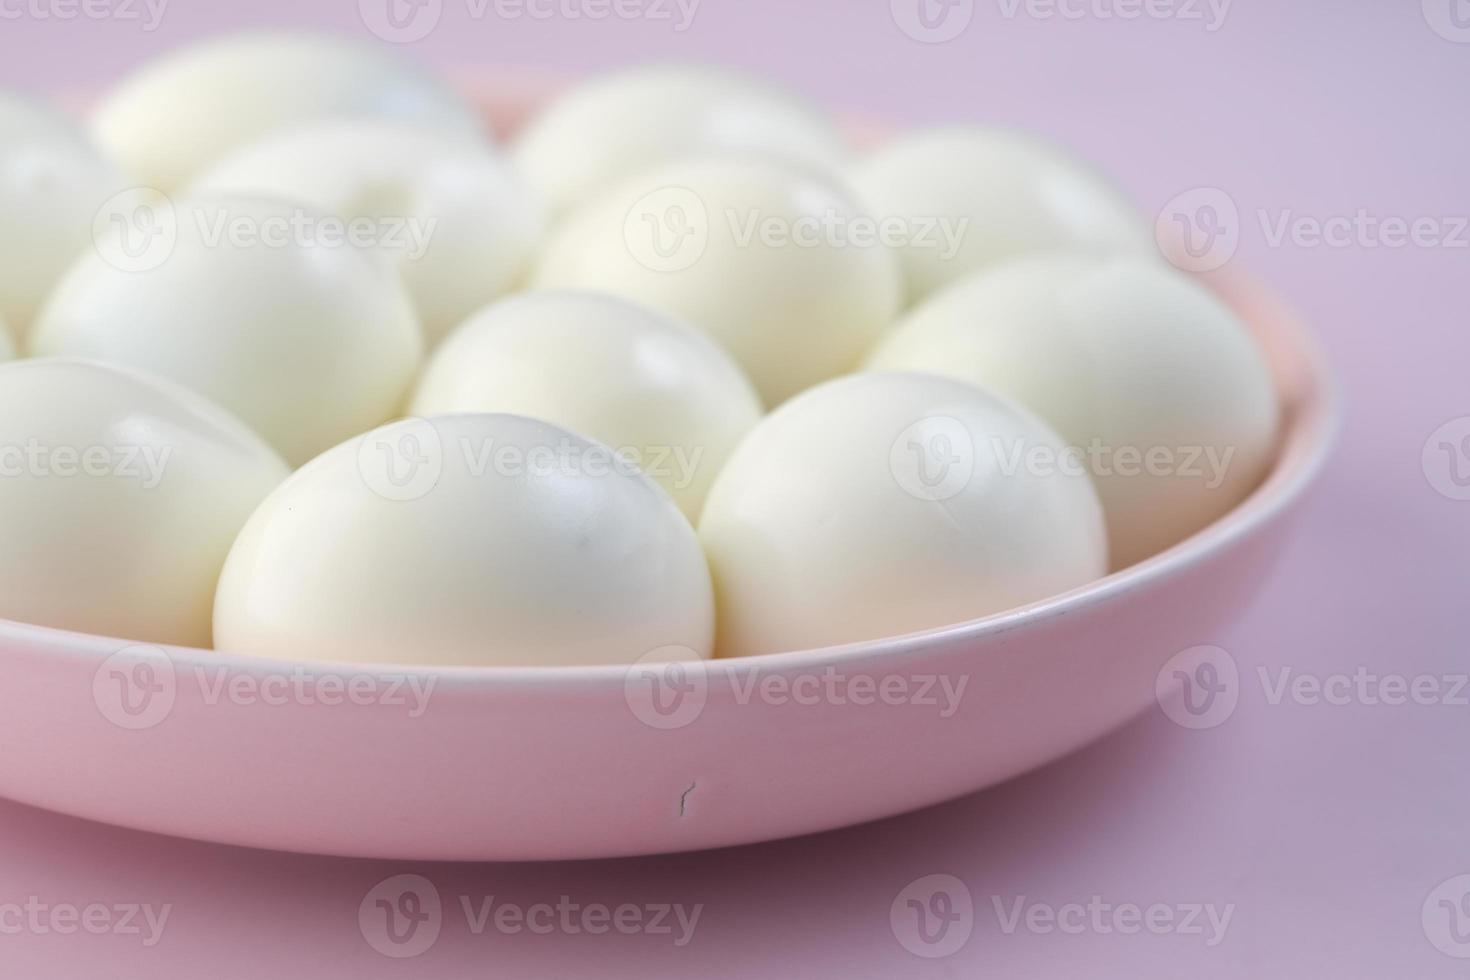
1310, 422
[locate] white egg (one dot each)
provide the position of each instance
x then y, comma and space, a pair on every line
883, 504
454, 216
120, 496
987, 195
467, 539
254, 304
615, 126
182, 113
654, 389
761, 257
1148, 375
52, 182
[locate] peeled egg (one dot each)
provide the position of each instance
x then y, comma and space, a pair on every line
459, 223
615, 126
652, 388
180, 114
472, 540
883, 504
978, 196
255, 304
120, 496
52, 182
761, 257
1149, 376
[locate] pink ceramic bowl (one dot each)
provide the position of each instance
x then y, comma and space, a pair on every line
506, 764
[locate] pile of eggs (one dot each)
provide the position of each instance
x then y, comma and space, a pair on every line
676, 373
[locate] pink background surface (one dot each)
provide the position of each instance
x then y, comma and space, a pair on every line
1326, 826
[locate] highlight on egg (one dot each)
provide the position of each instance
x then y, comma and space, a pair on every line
643, 383
180, 114
53, 180
255, 304
749, 251
121, 494
1153, 382
999, 194
883, 504
617, 125
459, 224
490, 540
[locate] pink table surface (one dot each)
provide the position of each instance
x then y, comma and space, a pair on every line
1323, 828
